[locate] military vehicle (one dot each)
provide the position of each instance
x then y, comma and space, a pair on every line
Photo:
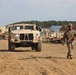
24, 35
2, 32
56, 36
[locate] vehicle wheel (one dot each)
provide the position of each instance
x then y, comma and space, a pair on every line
11, 46
33, 47
1, 37
59, 41
38, 47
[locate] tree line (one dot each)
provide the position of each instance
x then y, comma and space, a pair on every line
47, 23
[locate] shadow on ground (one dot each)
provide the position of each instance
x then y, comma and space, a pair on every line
5, 50
42, 57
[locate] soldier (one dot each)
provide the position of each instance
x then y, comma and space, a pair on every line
68, 37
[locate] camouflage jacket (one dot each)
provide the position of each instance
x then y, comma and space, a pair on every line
69, 36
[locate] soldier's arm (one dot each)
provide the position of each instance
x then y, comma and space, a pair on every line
63, 39
75, 34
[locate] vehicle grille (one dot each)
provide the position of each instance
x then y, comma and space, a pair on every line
26, 36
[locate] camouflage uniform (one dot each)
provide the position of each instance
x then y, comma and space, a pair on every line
69, 38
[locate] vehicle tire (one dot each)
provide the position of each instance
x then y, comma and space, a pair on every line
59, 41
11, 46
1, 37
33, 47
38, 47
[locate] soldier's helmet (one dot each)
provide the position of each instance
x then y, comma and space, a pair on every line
70, 25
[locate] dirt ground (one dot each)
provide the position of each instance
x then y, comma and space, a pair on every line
24, 61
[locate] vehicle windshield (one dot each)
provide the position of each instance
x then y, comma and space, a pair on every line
29, 27
18, 27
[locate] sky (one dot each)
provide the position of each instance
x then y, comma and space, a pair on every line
12, 11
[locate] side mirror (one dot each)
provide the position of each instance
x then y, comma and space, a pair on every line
40, 29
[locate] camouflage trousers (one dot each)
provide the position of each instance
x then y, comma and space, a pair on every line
70, 47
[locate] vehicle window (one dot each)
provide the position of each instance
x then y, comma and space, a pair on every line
29, 27
18, 27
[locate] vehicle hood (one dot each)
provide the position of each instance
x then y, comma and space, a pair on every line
25, 31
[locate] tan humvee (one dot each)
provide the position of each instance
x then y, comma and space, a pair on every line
56, 36
2, 32
24, 35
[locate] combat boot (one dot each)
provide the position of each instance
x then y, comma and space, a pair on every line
69, 57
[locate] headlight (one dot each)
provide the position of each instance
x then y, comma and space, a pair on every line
13, 36
35, 36
17, 35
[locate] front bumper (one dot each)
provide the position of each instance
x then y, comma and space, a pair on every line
19, 41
